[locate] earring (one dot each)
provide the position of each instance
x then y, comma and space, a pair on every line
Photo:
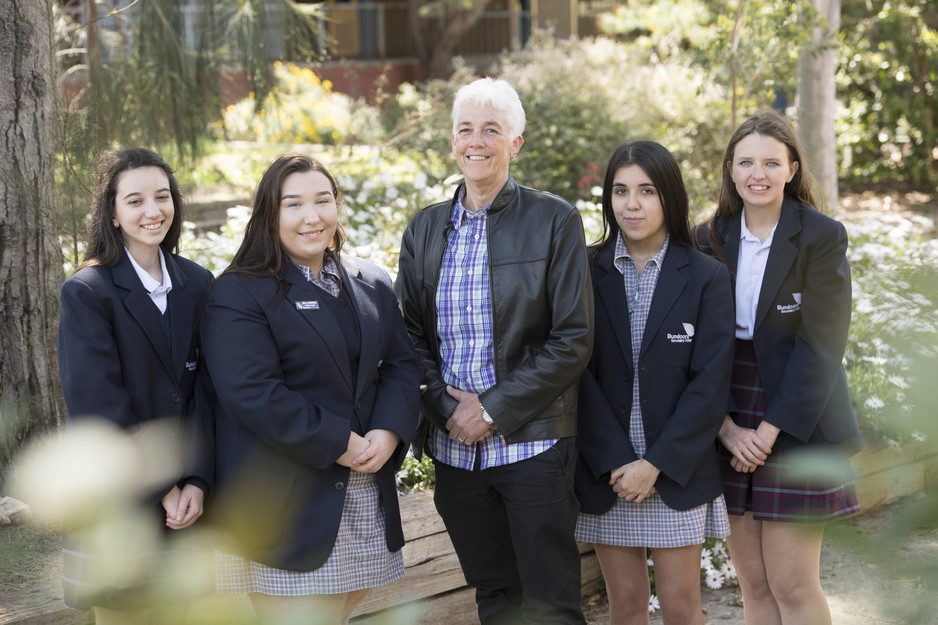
116, 224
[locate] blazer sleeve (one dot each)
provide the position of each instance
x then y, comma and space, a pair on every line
519, 395
816, 360
691, 429
409, 292
243, 361
601, 439
92, 379
397, 403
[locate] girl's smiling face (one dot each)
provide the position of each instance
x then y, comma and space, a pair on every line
143, 209
760, 170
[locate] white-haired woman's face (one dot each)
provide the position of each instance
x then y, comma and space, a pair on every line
481, 144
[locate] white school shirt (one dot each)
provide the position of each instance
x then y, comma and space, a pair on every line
157, 290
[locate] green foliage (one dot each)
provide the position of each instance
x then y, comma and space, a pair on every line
416, 474
750, 47
888, 83
301, 108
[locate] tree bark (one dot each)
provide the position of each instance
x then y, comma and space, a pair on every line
30, 256
816, 101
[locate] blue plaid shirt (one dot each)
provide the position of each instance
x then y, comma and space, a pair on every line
465, 327
639, 291
329, 278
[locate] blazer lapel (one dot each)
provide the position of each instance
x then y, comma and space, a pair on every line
730, 230
142, 309
362, 299
781, 257
669, 287
300, 293
611, 290
183, 306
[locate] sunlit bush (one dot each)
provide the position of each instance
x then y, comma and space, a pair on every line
301, 109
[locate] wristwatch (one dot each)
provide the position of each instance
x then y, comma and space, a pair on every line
485, 416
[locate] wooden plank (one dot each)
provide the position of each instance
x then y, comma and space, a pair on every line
883, 487
873, 460
456, 607
431, 578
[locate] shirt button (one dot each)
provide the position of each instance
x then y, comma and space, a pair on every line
476, 237
472, 342
468, 308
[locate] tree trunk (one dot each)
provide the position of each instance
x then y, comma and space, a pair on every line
435, 52
816, 100
30, 256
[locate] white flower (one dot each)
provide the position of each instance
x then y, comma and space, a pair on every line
919, 436
874, 403
420, 180
900, 382
714, 580
596, 191
653, 605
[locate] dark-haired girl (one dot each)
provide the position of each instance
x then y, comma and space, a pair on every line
790, 406
318, 398
654, 393
127, 353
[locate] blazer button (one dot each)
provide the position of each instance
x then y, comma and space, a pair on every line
175, 398
339, 485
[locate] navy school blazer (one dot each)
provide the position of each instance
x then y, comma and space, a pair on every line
802, 322
287, 404
684, 378
116, 362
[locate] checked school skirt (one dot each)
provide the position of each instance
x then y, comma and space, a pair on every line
772, 492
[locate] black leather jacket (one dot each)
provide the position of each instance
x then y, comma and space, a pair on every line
542, 308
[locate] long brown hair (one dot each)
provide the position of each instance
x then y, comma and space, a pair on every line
105, 241
802, 186
261, 253
659, 165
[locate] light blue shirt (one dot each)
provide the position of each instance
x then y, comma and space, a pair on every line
750, 270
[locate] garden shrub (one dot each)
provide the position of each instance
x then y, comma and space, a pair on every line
301, 109
893, 341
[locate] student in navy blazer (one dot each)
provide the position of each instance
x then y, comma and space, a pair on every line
128, 354
648, 474
790, 406
318, 391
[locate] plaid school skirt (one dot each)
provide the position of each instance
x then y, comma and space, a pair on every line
360, 558
777, 490
129, 561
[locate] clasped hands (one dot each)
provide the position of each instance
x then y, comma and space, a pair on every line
183, 506
750, 447
466, 424
634, 481
368, 453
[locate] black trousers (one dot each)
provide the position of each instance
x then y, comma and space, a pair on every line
512, 527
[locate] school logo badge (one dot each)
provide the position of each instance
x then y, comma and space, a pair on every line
687, 337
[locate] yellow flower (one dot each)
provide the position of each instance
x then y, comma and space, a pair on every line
327, 85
